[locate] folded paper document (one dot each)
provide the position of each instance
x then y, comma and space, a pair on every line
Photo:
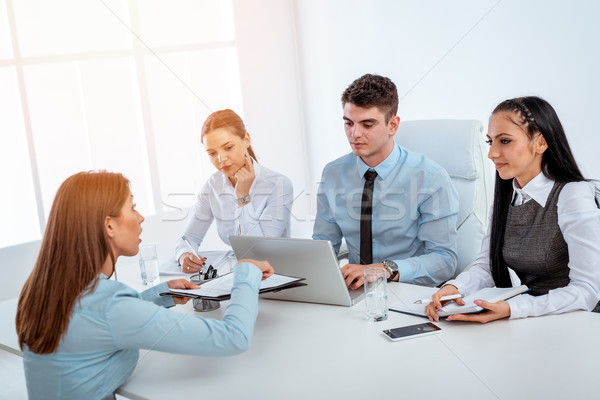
220, 288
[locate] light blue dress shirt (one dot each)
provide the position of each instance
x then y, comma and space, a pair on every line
415, 207
100, 348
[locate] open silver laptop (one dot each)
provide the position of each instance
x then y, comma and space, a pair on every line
313, 260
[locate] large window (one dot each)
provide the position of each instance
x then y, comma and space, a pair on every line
108, 84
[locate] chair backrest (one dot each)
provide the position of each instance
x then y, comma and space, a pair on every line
165, 229
457, 145
16, 263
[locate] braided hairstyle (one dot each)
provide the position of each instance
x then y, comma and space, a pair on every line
535, 116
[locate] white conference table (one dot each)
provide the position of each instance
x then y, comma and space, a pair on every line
302, 351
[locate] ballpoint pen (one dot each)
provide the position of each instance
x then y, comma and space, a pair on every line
443, 298
191, 248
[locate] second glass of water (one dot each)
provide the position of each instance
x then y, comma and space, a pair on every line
376, 302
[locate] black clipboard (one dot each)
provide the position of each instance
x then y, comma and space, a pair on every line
288, 285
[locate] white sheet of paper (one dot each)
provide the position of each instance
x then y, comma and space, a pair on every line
408, 305
214, 258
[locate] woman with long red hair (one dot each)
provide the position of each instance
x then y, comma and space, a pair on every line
80, 331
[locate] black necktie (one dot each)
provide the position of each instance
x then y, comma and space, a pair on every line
366, 215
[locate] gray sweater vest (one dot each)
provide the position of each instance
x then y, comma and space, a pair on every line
534, 246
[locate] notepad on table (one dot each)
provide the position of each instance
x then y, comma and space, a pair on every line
491, 295
220, 288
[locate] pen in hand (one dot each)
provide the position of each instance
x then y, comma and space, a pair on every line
191, 248
443, 298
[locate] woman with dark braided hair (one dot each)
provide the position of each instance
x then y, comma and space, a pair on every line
545, 221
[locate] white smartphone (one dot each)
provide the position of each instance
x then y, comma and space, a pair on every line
411, 331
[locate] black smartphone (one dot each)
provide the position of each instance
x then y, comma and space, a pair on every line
411, 331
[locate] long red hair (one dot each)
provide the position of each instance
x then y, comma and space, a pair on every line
74, 248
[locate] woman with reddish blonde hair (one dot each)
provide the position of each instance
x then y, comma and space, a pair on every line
80, 331
243, 197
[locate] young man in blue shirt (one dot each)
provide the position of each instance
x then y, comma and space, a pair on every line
395, 208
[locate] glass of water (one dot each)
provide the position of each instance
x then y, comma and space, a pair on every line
376, 301
231, 263
149, 264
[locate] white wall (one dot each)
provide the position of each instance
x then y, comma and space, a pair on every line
449, 60
265, 38
455, 59
120, 85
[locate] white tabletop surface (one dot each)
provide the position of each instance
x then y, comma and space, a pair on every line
303, 351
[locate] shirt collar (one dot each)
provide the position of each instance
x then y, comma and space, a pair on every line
537, 189
257, 169
384, 168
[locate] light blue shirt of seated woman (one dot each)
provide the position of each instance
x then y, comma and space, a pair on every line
100, 348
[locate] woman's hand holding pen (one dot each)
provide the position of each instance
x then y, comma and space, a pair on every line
190, 264
181, 284
498, 310
436, 305
244, 178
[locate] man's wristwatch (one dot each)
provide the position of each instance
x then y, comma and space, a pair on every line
392, 267
243, 200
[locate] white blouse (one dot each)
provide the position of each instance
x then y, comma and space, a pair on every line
579, 222
267, 214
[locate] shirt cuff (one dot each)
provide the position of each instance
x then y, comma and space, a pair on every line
401, 264
454, 283
245, 217
245, 209
517, 308
153, 295
178, 255
247, 273
238, 211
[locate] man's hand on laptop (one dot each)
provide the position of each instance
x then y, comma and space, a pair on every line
353, 274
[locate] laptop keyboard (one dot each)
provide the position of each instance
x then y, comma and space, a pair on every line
354, 293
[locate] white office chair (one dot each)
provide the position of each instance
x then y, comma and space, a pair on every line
457, 145
16, 263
